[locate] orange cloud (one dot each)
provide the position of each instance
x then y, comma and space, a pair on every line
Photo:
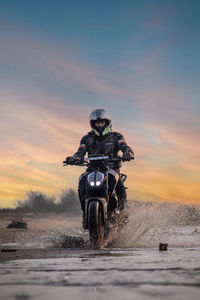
34, 141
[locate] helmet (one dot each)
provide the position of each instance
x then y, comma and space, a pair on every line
100, 114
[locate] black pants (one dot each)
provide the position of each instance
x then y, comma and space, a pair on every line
120, 193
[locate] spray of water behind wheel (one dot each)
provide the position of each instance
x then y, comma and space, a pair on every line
119, 223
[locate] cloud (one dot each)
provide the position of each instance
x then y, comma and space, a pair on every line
168, 165
60, 64
35, 139
39, 128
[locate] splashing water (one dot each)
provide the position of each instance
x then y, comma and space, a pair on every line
148, 225
152, 223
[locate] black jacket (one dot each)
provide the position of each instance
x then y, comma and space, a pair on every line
109, 144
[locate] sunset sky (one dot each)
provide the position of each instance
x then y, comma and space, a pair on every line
140, 60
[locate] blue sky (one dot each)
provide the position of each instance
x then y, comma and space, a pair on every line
138, 59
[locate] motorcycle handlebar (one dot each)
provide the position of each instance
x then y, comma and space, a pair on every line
86, 162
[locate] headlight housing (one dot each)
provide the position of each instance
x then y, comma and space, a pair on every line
95, 178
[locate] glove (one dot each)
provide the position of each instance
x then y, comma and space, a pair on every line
78, 159
128, 155
70, 160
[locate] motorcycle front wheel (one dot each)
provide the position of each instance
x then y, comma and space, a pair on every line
95, 224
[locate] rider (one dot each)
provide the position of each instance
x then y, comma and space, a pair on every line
102, 140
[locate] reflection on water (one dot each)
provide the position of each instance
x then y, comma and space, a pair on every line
119, 273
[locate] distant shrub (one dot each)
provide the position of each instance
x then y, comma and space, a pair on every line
68, 201
38, 202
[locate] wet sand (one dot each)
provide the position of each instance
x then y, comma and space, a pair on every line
44, 233
133, 268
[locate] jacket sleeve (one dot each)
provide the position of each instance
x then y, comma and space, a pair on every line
122, 145
82, 149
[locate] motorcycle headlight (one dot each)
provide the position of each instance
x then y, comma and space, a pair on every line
95, 179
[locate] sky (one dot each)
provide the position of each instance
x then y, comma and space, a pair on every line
139, 60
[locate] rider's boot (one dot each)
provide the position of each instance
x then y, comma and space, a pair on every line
112, 209
121, 194
83, 220
121, 203
82, 201
122, 198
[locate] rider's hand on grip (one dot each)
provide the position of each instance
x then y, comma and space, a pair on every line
78, 160
128, 155
132, 156
69, 160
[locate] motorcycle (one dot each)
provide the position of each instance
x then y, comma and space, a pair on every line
100, 201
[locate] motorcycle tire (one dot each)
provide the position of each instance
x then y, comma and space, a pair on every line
95, 224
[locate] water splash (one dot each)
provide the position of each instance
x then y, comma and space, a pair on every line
152, 223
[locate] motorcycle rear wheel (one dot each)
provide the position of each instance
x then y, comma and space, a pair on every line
96, 227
